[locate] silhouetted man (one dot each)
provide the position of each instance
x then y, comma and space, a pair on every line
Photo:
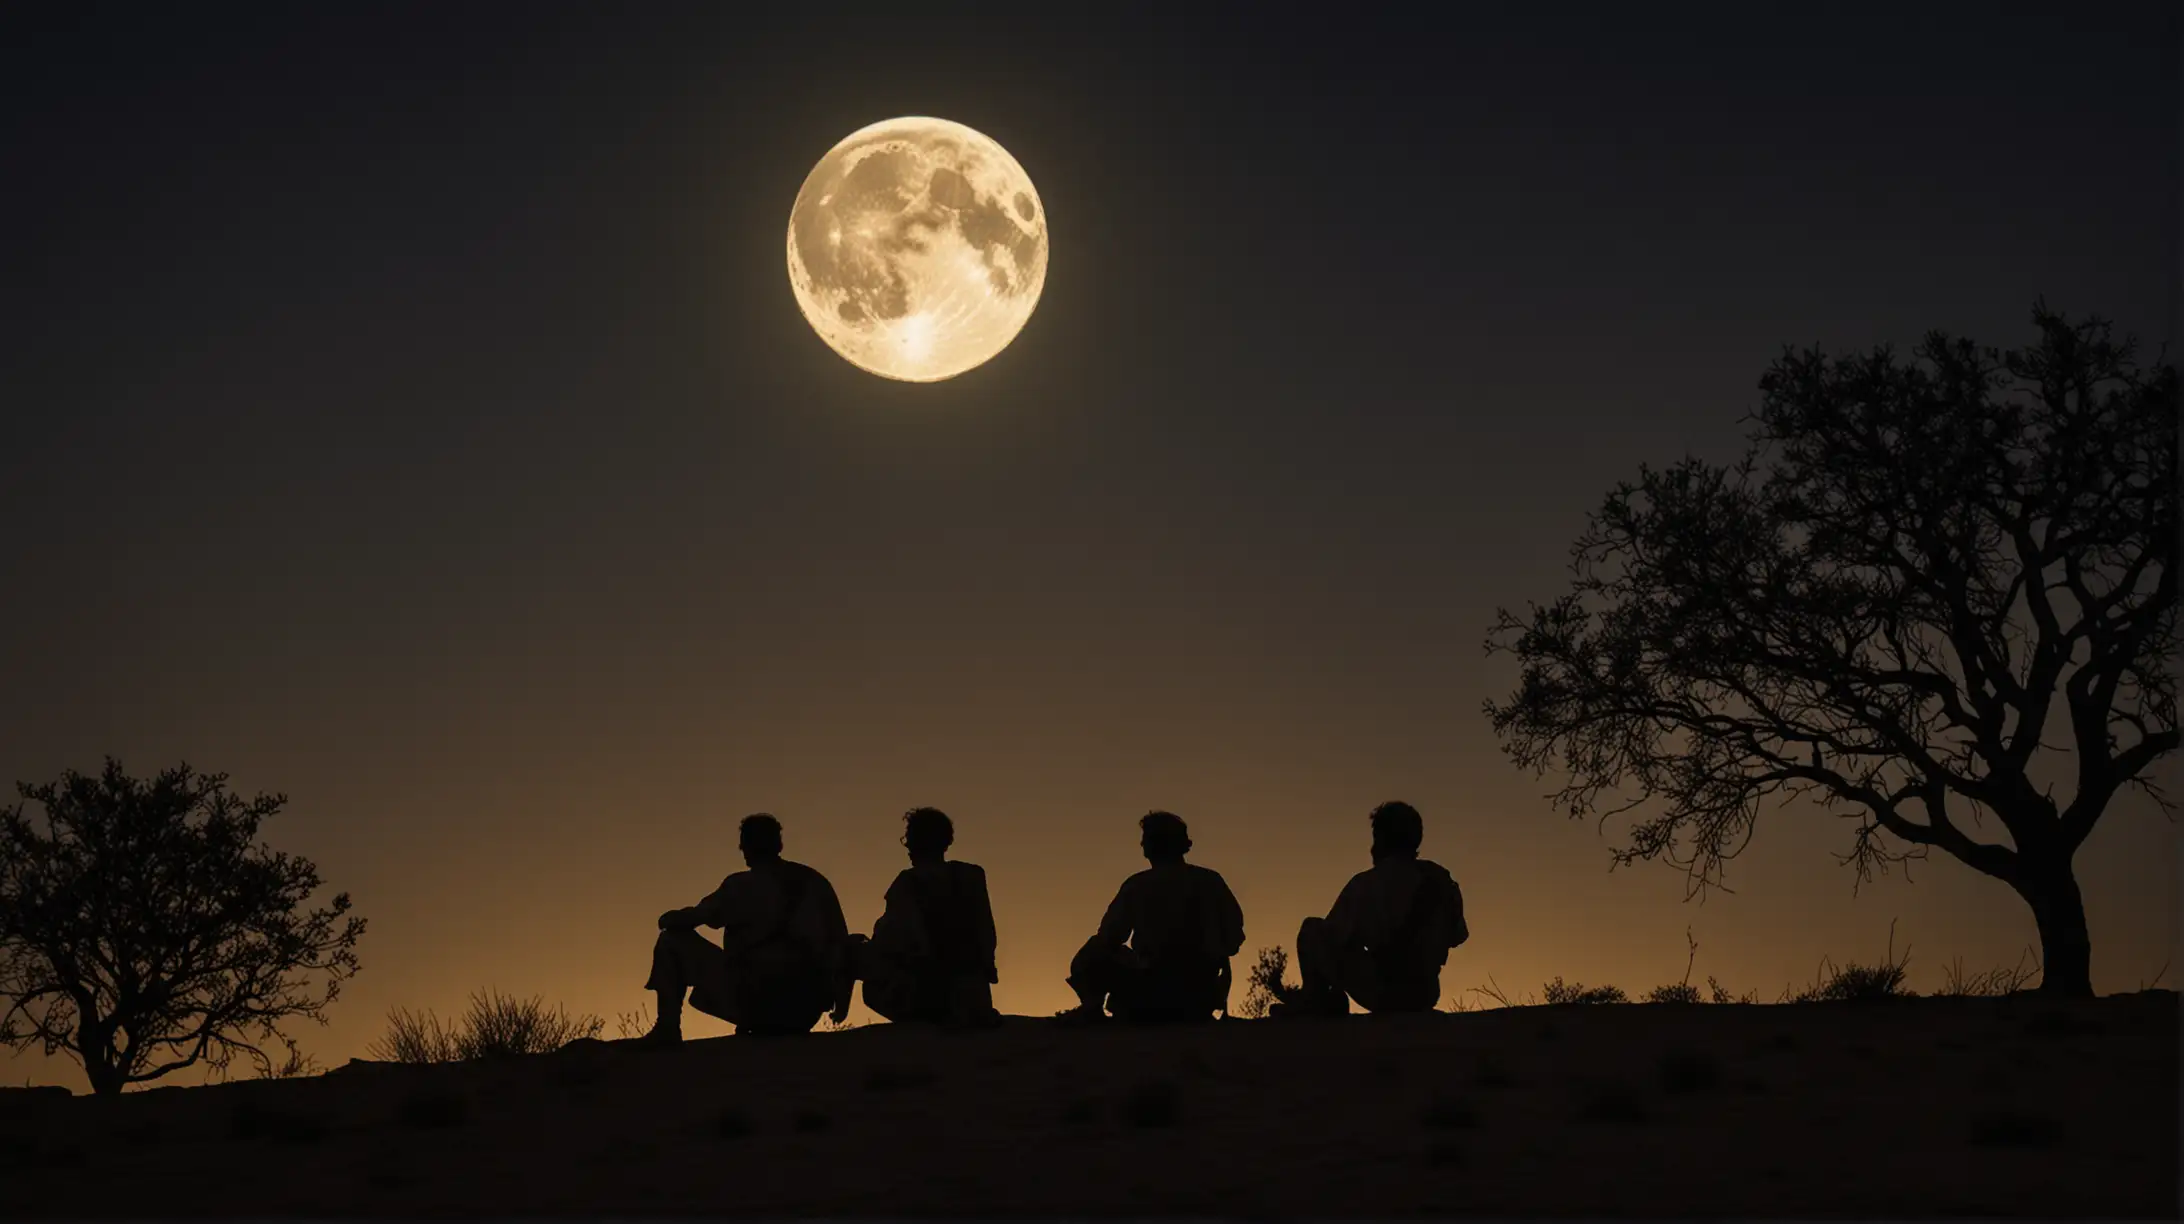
931, 953
1389, 934
1162, 951
782, 958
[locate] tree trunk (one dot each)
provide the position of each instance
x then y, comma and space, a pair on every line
2066, 950
106, 1079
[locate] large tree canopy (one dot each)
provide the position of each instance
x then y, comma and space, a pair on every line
144, 929
1936, 589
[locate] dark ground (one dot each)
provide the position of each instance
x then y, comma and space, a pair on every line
2014, 1107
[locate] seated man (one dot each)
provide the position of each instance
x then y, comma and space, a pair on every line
781, 961
1389, 934
1162, 951
931, 953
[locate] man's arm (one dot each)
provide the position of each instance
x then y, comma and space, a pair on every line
1343, 920
1120, 920
903, 918
1458, 930
708, 911
1230, 917
982, 922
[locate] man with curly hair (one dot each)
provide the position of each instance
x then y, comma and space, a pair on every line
931, 954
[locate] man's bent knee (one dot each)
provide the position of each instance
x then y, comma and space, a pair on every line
1090, 962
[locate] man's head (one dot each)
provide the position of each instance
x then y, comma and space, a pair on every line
1163, 835
760, 837
927, 832
1397, 831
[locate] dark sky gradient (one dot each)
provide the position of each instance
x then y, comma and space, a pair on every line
407, 410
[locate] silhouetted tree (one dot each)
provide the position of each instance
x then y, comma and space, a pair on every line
144, 929
1918, 569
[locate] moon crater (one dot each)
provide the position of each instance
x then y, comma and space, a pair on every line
917, 248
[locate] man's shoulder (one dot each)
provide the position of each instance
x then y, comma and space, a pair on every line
1435, 871
805, 873
1208, 875
967, 871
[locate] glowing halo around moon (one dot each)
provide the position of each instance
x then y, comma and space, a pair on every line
917, 248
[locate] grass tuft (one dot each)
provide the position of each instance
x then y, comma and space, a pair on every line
1558, 992
1852, 982
1674, 992
1992, 984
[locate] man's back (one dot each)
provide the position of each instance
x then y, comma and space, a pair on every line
1176, 910
946, 903
1404, 901
779, 905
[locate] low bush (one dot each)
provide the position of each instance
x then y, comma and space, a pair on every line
496, 1025
1558, 991
1853, 982
1265, 986
1991, 984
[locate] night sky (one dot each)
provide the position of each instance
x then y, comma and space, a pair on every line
406, 410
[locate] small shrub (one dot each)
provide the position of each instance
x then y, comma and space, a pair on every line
811, 1122
414, 1037
1853, 982
496, 1026
630, 1025
2015, 1128
1683, 991
427, 1110
1717, 993
1494, 993
732, 1123
1688, 1071
1449, 1113
1558, 991
1992, 984
1266, 985
1150, 1105
499, 1025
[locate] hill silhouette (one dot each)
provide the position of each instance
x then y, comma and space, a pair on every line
1995, 1107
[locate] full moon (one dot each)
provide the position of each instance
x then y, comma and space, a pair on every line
917, 248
